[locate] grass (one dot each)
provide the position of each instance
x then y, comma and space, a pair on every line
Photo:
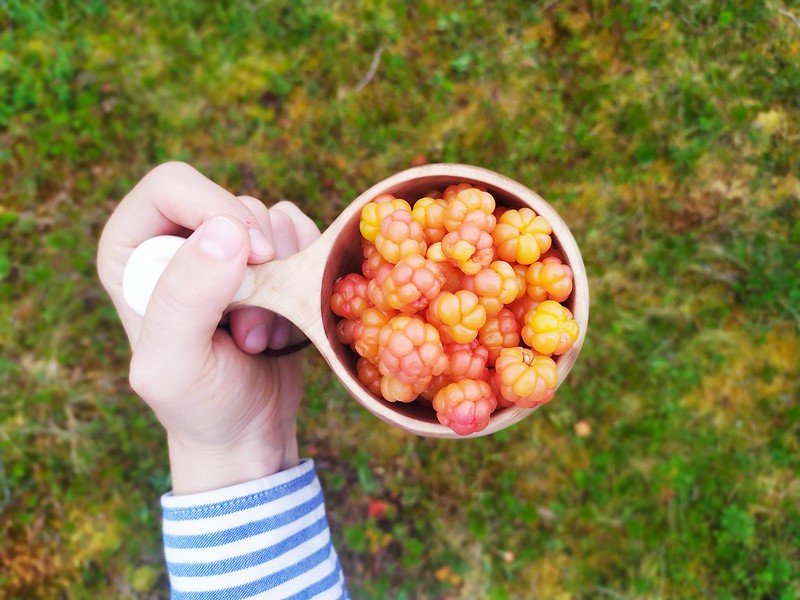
666, 134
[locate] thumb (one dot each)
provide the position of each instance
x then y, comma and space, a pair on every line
192, 294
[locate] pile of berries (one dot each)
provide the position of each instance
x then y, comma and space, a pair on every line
458, 305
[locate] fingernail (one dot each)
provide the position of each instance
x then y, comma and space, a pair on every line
260, 244
220, 238
280, 335
256, 340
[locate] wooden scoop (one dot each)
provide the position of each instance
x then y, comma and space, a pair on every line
299, 287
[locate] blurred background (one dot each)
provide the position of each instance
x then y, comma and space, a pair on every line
666, 134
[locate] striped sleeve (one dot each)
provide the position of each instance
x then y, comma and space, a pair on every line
267, 538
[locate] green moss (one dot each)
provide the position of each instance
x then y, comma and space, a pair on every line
665, 133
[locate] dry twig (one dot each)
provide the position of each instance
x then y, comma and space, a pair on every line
789, 16
373, 68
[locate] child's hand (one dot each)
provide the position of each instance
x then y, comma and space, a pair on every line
229, 411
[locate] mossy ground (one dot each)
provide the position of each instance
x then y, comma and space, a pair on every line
665, 132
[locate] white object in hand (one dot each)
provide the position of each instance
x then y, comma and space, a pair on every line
148, 262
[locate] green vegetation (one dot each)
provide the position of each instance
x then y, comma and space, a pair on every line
665, 132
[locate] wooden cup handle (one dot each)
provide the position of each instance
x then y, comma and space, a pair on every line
291, 287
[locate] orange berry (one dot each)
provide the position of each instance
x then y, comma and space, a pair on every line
500, 331
520, 271
520, 307
459, 315
521, 236
410, 351
373, 261
375, 291
549, 279
550, 328
400, 236
495, 286
436, 253
451, 191
369, 376
525, 378
452, 277
470, 247
346, 330
436, 383
395, 390
349, 298
429, 213
470, 205
451, 273
465, 406
412, 283
373, 214
431, 318
368, 331
466, 361
494, 383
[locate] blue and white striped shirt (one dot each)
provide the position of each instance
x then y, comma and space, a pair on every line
267, 538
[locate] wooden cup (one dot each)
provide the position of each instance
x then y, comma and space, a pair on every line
299, 287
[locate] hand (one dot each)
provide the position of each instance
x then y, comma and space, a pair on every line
229, 411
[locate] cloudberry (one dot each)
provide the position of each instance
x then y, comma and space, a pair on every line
549, 279
459, 315
369, 376
375, 291
525, 378
521, 236
520, 271
412, 283
470, 205
550, 328
346, 330
451, 191
495, 286
396, 390
373, 261
410, 351
494, 383
520, 307
429, 213
470, 247
466, 361
374, 212
400, 236
500, 331
436, 383
465, 406
368, 331
349, 298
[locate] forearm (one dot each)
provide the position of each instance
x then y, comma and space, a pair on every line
265, 538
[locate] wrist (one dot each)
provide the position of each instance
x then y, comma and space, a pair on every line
199, 467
